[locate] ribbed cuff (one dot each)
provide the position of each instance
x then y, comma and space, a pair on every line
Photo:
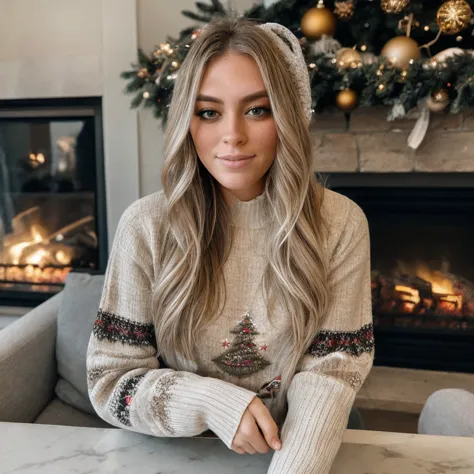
318, 410
223, 405
184, 404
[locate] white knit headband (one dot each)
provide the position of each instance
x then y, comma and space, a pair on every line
295, 60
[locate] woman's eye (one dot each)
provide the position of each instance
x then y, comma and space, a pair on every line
202, 114
262, 110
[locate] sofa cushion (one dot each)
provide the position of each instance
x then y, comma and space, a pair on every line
59, 413
76, 316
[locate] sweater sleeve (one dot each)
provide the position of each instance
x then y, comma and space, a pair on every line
127, 385
335, 365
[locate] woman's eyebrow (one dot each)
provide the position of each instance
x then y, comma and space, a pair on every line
247, 98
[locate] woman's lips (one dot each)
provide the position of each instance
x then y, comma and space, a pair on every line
235, 162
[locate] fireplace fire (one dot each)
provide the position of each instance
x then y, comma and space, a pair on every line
422, 297
33, 256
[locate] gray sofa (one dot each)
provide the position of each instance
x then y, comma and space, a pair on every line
43, 358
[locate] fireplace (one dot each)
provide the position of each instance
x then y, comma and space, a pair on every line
52, 195
422, 256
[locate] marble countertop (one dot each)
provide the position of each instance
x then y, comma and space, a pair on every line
45, 449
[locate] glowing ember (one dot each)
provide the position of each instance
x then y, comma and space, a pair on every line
32, 274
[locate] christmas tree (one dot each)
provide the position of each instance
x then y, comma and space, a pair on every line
243, 357
360, 53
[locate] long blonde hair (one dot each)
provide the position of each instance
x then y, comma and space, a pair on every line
196, 235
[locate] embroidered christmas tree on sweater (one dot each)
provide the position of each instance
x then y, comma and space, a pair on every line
243, 357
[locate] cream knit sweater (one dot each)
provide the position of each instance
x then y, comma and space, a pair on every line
168, 396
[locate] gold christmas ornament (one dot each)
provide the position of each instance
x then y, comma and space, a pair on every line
344, 10
438, 100
348, 57
400, 50
346, 100
394, 6
453, 16
318, 21
143, 73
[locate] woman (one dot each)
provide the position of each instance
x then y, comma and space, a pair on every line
250, 283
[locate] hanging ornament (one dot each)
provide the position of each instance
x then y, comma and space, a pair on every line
400, 50
344, 10
346, 100
143, 73
394, 6
453, 16
348, 57
438, 100
318, 21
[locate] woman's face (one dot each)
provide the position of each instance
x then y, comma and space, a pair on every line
232, 116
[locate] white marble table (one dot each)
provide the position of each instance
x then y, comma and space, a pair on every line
44, 449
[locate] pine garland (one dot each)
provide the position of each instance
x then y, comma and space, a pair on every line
152, 78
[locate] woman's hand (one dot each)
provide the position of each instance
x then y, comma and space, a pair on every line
248, 438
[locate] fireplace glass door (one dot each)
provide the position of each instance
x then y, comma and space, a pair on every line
52, 200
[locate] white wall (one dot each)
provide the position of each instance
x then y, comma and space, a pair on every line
50, 48
155, 22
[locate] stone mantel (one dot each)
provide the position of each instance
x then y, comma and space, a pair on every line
368, 143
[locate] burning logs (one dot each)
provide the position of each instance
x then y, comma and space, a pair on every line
34, 256
410, 294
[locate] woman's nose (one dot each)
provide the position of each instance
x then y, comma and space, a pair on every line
234, 131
